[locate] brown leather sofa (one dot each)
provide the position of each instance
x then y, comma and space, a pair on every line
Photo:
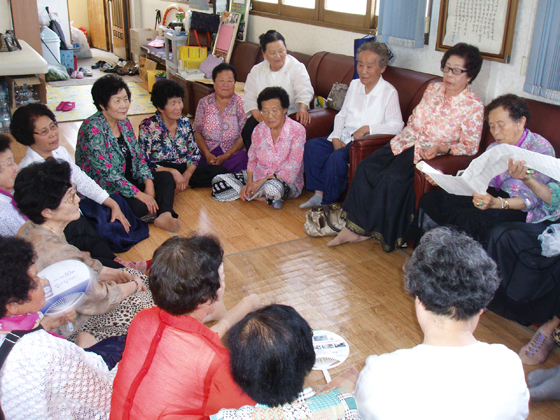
545, 120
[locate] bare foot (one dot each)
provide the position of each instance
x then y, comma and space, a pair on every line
168, 222
85, 340
346, 235
237, 313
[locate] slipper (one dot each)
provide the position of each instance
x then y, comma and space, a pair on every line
79, 75
537, 350
98, 64
74, 74
61, 106
86, 72
68, 106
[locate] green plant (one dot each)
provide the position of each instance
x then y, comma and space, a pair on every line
161, 74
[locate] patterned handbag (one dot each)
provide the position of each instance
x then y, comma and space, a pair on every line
9, 42
336, 96
324, 220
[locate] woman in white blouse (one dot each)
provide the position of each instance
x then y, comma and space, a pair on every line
371, 106
278, 69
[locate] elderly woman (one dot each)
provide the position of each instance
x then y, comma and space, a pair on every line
507, 199
168, 141
448, 120
271, 355
450, 375
44, 376
371, 106
108, 152
45, 194
35, 126
275, 167
219, 120
278, 69
172, 364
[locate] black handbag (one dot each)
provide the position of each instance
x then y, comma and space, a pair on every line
205, 22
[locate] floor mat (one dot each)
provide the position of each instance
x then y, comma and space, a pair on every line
91, 81
81, 95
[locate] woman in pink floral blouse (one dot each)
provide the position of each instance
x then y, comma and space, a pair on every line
275, 167
448, 120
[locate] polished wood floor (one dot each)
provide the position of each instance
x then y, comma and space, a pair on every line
355, 290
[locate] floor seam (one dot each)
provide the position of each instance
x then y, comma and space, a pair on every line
265, 247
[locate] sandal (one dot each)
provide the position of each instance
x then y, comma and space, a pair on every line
537, 350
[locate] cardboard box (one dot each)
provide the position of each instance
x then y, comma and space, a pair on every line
139, 37
150, 64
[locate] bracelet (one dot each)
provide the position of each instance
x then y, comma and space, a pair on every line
502, 201
228, 153
138, 284
507, 204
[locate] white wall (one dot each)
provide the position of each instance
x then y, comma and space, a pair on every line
59, 12
5, 16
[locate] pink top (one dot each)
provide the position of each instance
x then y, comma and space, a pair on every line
217, 128
285, 157
455, 122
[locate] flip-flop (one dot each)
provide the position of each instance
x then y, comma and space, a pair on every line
61, 106
68, 106
86, 72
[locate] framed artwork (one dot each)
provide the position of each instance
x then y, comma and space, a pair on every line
241, 7
488, 24
227, 32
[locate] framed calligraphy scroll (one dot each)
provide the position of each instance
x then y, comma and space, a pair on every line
488, 24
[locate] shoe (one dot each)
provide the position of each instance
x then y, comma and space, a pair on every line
106, 68
98, 64
86, 72
537, 350
277, 204
79, 75
68, 106
74, 74
61, 106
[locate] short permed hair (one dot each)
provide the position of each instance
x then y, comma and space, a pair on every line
270, 36
273, 92
41, 186
5, 141
451, 274
471, 55
22, 126
163, 90
184, 273
271, 353
105, 87
513, 104
224, 67
16, 257
378, 48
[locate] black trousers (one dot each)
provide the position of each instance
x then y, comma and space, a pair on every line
202, 176
247, 131
165, 195
85, 237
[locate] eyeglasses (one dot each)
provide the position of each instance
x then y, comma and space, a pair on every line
274, 112
8, 163
456, 72
45, 131
72, 190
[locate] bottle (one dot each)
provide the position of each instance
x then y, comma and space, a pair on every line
6, 120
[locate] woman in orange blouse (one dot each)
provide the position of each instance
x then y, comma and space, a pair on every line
448, 120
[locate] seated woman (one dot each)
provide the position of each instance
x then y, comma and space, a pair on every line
507, 199
371, 106
450, 375
45, 194
108, 152
530, 290
11, 218
219, 120
172, 364
448, 120
271, 355
277, 69
44, 376
35, 126
275, 167
167, 139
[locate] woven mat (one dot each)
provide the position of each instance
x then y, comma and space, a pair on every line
81, 95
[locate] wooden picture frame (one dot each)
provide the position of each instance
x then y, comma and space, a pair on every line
488, 25
227, 33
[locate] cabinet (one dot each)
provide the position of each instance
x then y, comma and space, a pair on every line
172, 44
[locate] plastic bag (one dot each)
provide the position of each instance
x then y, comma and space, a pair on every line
80, 44
550, 241
56, 72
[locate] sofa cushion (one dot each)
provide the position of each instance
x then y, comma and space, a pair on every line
325, 69
243, 57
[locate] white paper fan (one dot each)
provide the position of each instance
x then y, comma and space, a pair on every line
331, 350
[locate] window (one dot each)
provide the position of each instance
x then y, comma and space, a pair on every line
342, 14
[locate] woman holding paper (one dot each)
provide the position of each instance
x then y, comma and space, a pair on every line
508, 199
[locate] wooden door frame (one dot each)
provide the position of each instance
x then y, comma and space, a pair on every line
126, 27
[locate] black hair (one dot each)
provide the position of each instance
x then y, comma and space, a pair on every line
471, 55
163, 90
451, 274
16, 257
224, 67
105, 87
273, 92
271, 353
41, 186
5, 141
22, 126
270, 36
184, 273
513, 104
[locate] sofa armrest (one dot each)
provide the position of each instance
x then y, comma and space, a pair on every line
362, 148
448, 164
322, 122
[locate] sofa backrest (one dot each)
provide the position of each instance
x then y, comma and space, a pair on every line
410, 85
243, 57
326, 68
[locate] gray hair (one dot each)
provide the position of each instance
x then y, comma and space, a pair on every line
451, 274
378, 48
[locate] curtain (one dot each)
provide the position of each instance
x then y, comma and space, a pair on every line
543, 71
402, 22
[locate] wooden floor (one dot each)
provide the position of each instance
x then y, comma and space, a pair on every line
355, 290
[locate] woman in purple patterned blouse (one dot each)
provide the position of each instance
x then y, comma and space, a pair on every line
218, 122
